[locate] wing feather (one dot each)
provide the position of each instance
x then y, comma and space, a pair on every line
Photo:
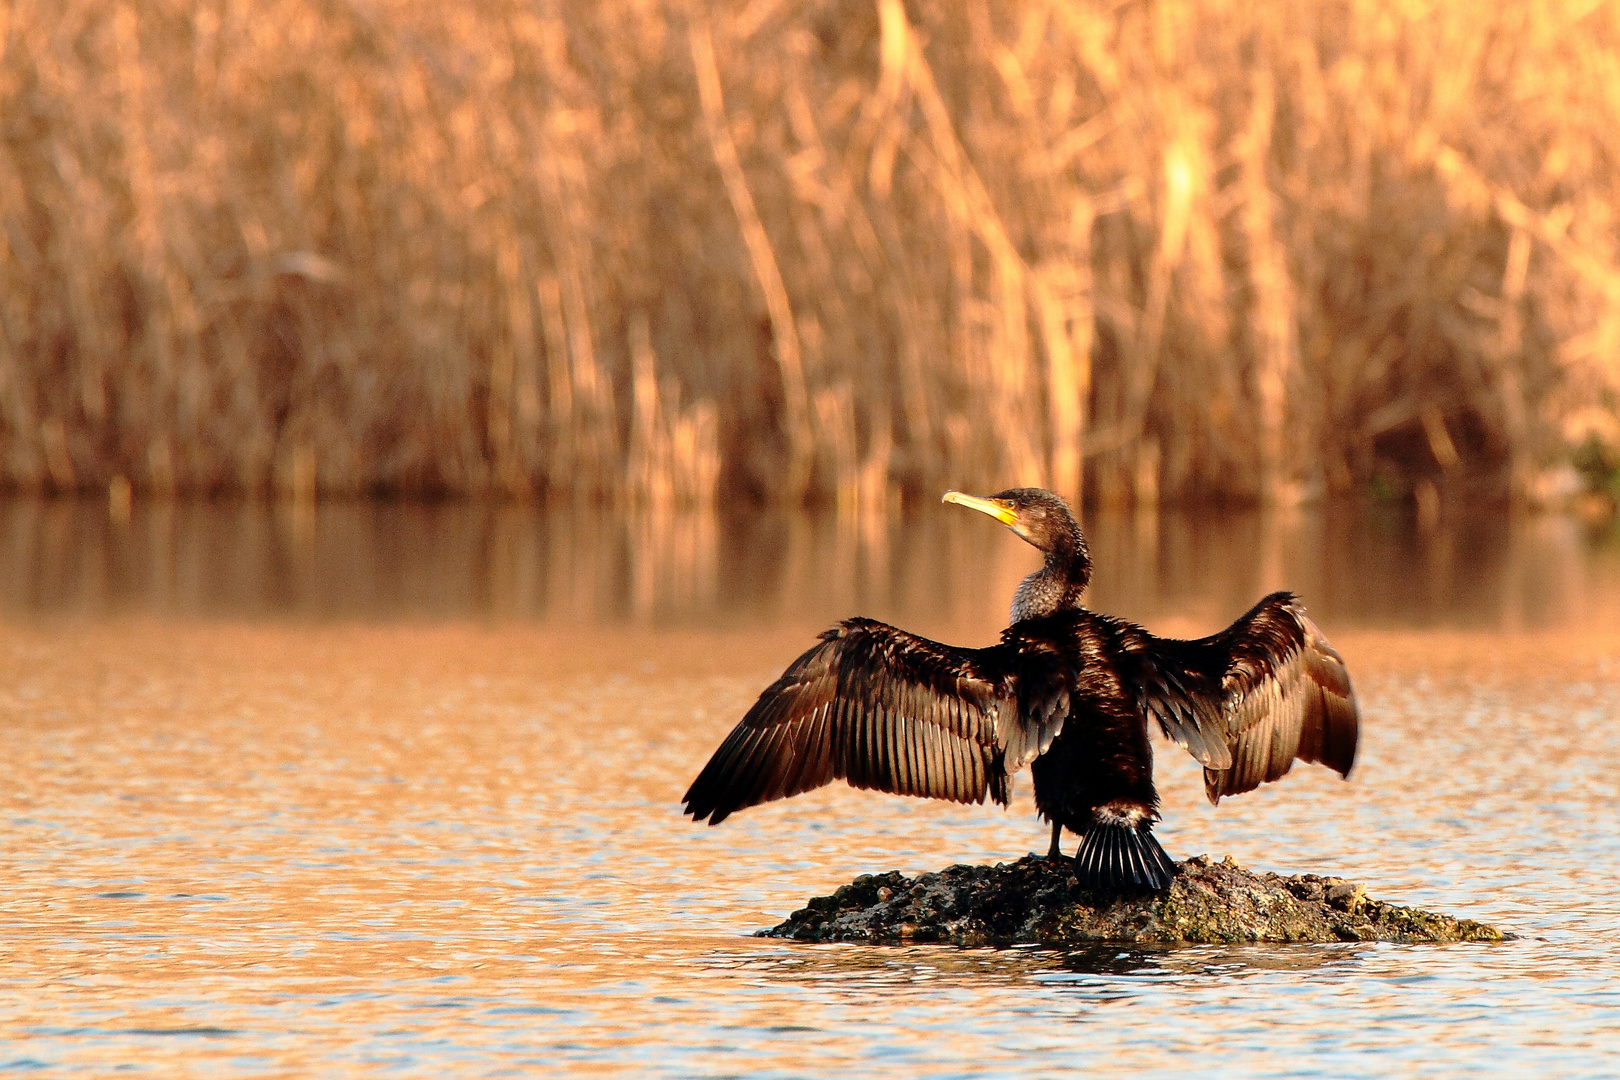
877, 707
1184, 700
900, 748
1249, 701
1287, 697
804, 757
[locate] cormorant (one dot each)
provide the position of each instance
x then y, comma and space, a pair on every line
1068, 692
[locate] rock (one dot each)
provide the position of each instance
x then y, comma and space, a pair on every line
1344, 895
1033, 902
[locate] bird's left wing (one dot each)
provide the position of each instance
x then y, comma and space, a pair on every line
1250, 700
1287, 695
880, 708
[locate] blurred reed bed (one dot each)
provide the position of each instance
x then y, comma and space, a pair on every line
829, 251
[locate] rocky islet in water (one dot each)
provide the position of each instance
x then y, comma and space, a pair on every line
1035, 901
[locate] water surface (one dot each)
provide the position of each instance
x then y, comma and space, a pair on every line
394, 789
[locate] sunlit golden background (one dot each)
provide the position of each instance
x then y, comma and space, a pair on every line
852, 251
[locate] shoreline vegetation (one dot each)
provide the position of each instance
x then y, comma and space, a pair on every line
811, 252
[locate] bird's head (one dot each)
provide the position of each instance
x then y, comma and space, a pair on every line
1044, 520
1037, 515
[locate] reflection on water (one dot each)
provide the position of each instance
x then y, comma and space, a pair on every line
310, 796
386, 560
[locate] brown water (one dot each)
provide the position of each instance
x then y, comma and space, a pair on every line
394, 789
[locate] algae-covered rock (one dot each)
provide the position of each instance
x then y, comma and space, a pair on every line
1034, 901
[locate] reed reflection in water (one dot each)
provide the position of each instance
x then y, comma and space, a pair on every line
1486, 569
394, 787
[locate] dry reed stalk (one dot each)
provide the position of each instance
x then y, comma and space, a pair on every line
1273, 303
830, 250
784, 329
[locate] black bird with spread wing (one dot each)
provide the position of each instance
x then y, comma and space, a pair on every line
1067, 691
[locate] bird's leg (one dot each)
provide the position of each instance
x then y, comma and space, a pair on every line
1056, 852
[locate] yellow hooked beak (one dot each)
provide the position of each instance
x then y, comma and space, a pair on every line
997, 509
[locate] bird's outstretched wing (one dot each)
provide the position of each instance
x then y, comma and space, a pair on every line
1287, 696
1269, 687
882, 709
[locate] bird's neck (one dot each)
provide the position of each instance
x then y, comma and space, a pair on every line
1056, 586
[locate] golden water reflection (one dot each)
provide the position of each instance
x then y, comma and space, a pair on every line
1488, 568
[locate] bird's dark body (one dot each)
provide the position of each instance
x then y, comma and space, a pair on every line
1068, 691
1103, 752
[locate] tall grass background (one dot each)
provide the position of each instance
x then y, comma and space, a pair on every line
831, 250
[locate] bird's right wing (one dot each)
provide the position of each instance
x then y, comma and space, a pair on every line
882, 709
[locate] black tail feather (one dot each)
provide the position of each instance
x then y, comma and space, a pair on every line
1134, 863
1119, 855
